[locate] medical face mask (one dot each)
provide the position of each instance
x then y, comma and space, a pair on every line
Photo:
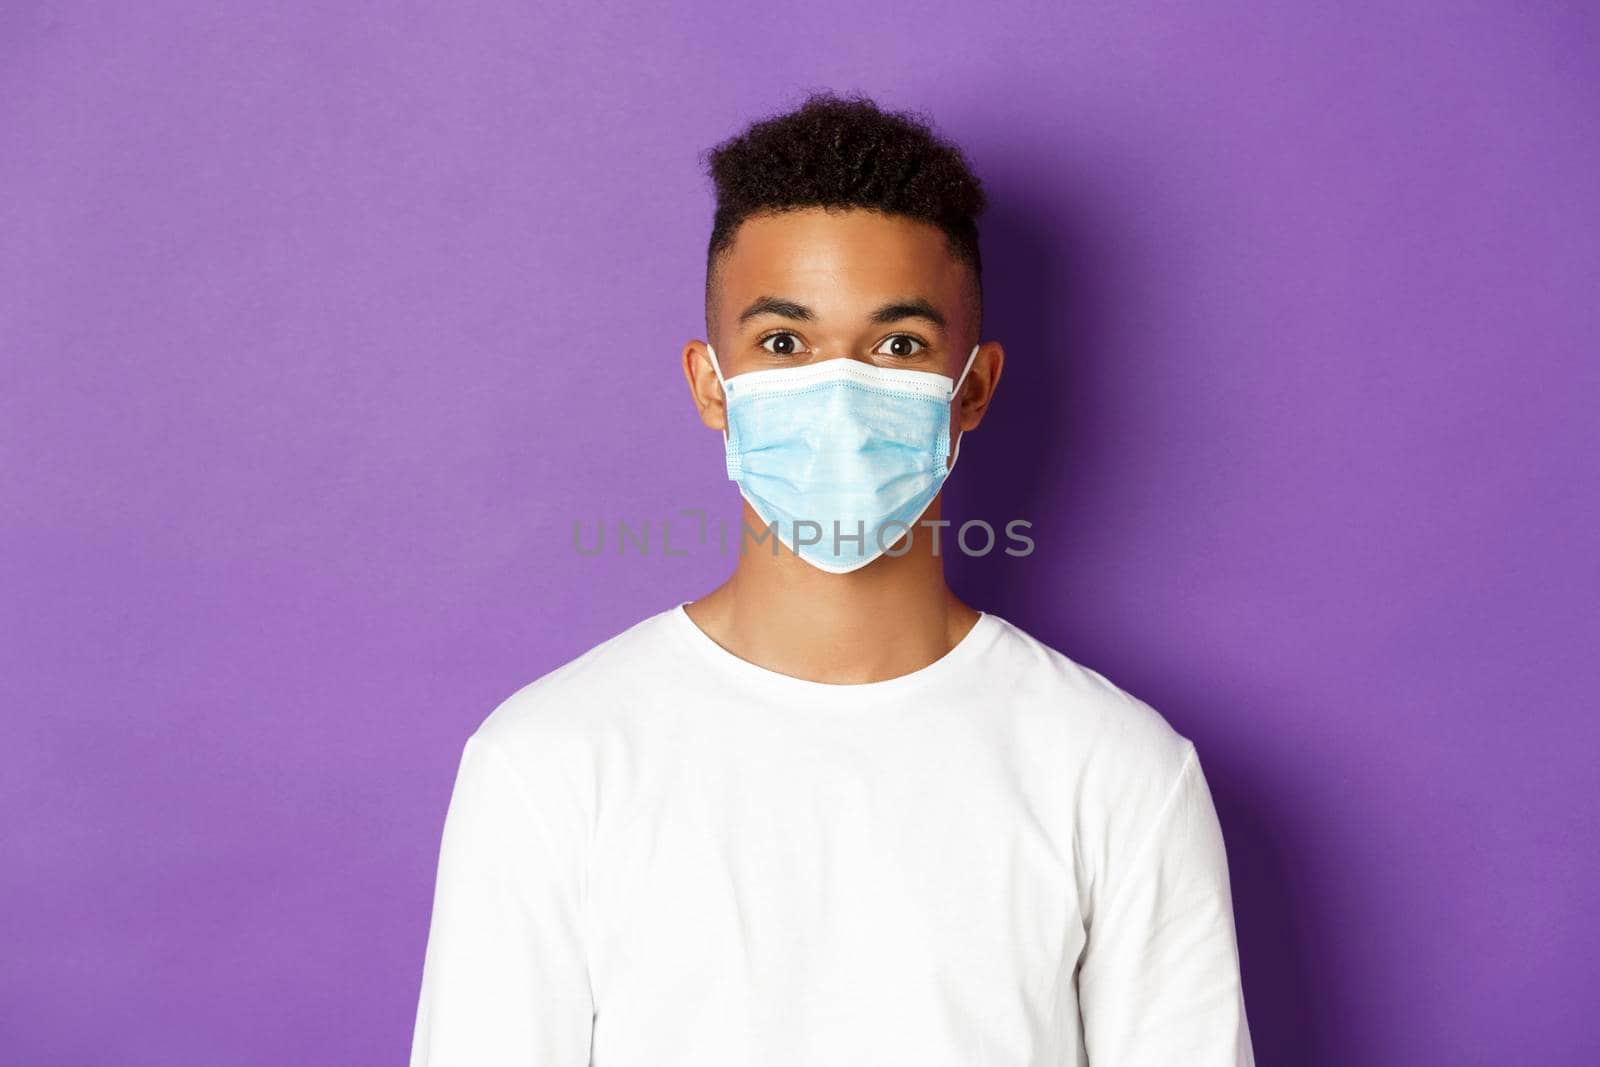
839, 457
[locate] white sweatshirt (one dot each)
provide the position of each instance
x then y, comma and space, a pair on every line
662, 855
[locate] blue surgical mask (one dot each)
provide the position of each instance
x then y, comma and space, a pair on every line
839, 457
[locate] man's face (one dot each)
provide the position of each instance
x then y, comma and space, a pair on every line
814, 284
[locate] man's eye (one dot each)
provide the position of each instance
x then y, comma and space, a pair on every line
900, 346
781, 344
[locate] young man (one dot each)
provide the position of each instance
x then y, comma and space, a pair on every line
828, 814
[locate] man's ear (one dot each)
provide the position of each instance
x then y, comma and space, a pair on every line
978, 390
704, 388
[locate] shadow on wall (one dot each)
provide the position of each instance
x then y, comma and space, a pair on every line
1053, 279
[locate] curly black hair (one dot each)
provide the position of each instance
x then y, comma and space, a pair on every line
844, 151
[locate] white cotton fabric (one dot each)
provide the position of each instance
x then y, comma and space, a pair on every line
661, 855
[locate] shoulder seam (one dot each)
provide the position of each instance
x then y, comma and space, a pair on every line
531, 812
1190, 757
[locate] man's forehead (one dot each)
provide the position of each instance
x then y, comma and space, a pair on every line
818, 239
848, 261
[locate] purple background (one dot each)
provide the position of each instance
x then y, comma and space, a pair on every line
321, 327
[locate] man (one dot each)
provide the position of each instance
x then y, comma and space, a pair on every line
828, 814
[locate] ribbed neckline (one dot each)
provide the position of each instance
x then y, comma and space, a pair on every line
977, 639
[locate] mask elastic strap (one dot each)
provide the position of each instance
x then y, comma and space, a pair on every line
971, 356
717, 367
957, 393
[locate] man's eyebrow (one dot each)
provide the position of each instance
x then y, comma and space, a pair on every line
913, 308
773, 305
910, 308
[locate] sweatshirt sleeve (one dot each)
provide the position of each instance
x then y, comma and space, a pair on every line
1159, 982
504, 979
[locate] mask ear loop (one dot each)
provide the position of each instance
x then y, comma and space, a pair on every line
955, 394
717, 367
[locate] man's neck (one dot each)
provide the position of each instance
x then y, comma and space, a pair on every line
889, 618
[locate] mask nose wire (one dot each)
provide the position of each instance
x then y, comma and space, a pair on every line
716, 367
956, 392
